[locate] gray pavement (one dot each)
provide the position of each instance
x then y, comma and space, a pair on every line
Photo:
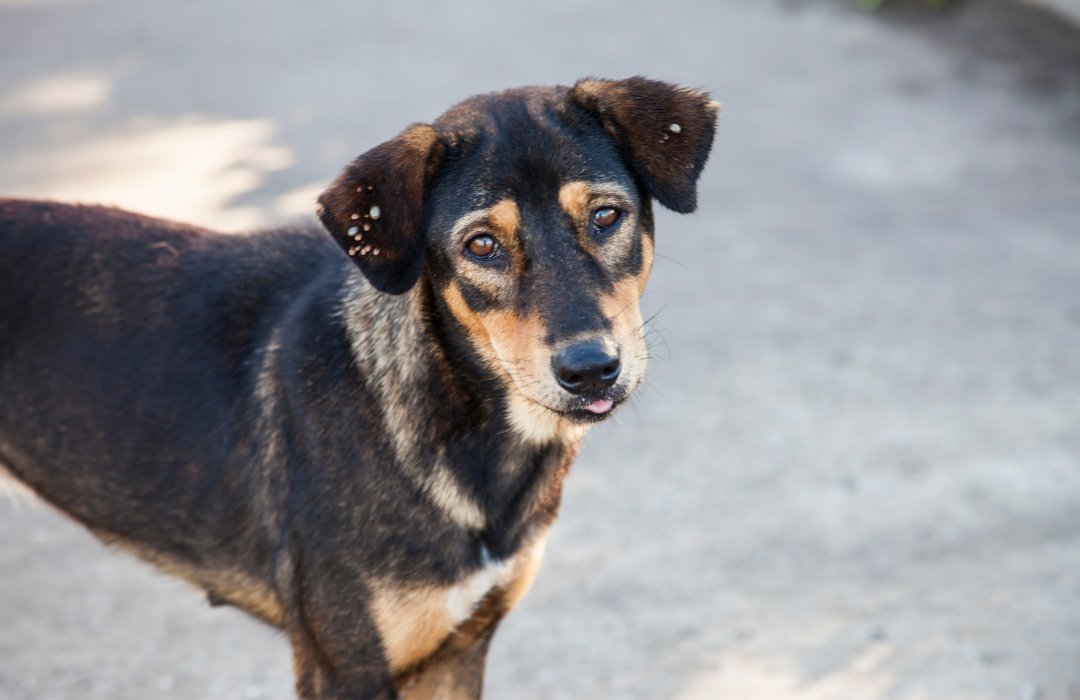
855, 471
1069, 9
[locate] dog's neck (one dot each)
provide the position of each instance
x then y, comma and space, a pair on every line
458, 432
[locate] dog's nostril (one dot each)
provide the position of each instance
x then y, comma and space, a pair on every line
585, 368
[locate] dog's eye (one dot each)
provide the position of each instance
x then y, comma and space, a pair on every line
483, 246
602, 218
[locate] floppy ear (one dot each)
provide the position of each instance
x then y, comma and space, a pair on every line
664, 131
375, 209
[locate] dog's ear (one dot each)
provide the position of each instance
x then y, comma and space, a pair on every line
665, 132
375, 209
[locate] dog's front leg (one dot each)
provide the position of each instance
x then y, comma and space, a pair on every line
454, 673
337, 650
319, 676
456, 670
323, 672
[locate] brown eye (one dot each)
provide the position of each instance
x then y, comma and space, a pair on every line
483, 246
605, 217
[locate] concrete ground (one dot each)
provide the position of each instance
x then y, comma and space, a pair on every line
855, 471
1070, 9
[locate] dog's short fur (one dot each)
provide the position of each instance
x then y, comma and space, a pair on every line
369, 461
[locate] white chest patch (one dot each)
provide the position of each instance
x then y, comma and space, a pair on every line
462, 599
413, 622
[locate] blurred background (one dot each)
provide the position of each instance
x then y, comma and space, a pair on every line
854, 473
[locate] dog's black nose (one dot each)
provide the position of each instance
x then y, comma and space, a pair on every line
585, 367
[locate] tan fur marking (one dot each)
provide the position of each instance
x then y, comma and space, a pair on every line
534, 423
539, 426
511, 345
579, 198
502, 219
374, 331
471, 321
621, 306
468, 220
421, 137
505, 216
647, 256
622, 309
517, 341
250, 595
414, 623
448, 495
576, 196
573, 196
228, 585
525, 566
519, 346
438, 681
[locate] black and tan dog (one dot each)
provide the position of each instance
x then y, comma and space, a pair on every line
370, 462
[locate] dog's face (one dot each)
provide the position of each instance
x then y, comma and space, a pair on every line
539, 245
532, 211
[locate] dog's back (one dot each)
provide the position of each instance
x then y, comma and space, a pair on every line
172, 320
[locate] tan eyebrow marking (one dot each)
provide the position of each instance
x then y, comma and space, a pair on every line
574, 196
504, 215
468, 220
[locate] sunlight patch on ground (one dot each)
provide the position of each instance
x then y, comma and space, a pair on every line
190, 169
301, 201
57, 94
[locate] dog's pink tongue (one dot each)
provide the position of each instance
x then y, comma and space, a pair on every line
600, 406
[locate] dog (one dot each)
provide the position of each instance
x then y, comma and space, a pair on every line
359, 438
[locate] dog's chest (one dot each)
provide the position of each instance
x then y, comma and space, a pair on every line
414, 621
462, 599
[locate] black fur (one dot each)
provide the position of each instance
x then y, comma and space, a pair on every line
248, 413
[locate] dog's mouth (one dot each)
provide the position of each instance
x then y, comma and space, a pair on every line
582, 409
594, 408
600, 406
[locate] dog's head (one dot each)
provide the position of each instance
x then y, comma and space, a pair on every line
530, 211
